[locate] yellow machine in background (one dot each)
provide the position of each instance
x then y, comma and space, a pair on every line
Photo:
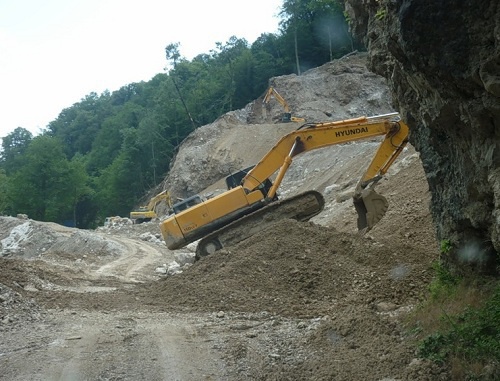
287, 115
250, 204
148, 212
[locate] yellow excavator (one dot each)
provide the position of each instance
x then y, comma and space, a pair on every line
251, 203
287, 115
148, 212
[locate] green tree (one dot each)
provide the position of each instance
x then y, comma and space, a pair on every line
330, 28
78, 187
317, 30
296, 17
229, 56
121, 184
157, 149
4, 197
173, 55
269, 61
107, 142
42, 187
78, 125
14, 145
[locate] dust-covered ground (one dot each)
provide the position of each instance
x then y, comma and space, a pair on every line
301, 301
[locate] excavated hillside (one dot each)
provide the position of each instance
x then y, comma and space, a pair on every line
301, 301
338, 90
442, 62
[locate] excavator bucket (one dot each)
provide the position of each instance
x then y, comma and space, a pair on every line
371, 207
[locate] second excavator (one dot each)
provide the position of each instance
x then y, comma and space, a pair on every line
148, 212
286, 116
251, 203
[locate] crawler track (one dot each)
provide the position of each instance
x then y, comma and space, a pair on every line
301, 207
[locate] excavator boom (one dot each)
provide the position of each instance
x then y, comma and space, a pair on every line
317, 135
287, 115
250, 206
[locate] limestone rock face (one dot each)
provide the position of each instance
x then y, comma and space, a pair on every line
442, 61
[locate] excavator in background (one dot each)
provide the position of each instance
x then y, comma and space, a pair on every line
148, 212
287, 115
251, 203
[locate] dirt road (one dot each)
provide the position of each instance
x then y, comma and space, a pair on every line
126, 342
76, 345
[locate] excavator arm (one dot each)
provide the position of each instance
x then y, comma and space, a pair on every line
287, 115
250, 207
273, 92
317, 135
162, 196
148, 212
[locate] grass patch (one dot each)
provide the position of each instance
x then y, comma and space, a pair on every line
459, 325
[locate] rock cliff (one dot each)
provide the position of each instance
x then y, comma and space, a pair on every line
442, 61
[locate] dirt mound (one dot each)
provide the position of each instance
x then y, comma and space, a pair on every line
350, 294
299, 269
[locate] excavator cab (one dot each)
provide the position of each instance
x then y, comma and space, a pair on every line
235, 179
286, 117
187, 203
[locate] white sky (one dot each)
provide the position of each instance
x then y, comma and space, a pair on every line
54, 52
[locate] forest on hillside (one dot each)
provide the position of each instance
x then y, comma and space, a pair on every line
109, 152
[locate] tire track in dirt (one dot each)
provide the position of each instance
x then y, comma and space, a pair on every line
136, 263
123, 346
